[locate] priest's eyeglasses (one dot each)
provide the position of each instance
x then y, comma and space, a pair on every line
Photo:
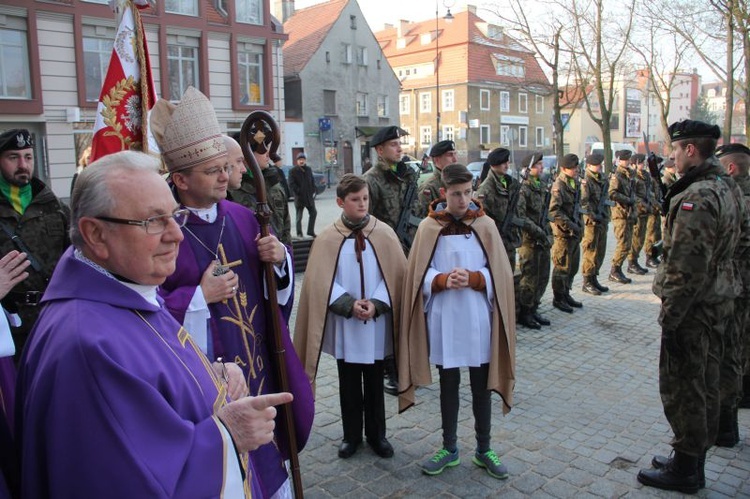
153, 225
218, 170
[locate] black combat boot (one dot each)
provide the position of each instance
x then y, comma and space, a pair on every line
540, 318
635, 268
572, 302
729, 431
589, 287
652, 262
561, 303
598, 285
616, 275
659, 462
526, 319
680, 473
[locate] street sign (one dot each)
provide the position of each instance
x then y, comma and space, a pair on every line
324, 124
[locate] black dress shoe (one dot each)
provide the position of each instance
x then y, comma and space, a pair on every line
562, 304
381, 447
347, 449
389, 386
541, 319
572, 302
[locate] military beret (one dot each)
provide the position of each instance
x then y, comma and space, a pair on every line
624, 154
15, 140
456, 174
638, 158
301, 155
595, 159
498, 156
732, 149
385, 134
531, 160
442, 147
570, 161
691, 129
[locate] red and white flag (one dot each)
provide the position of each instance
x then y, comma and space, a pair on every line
128, 92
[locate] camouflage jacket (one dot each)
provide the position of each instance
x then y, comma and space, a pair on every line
388, 189
656, 197
44, 229
643, 193
429, 191
741, 189
594, 187
530, 206
702, 230
562, 208
281, 222
495, 194
620, 192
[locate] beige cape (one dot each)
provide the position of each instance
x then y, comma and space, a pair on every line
413, 351
321, 270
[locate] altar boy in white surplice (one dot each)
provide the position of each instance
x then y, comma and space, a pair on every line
349, 308
459, 312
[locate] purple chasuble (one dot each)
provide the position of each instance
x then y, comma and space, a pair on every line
8, 468
114, 399
239, 330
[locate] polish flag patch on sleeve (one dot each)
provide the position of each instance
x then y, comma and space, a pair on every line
687, 206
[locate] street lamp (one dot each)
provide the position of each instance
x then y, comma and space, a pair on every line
448, 18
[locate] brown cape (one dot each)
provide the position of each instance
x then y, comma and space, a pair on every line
413, 351
318, 283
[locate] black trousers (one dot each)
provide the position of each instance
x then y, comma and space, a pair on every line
361, 391
450, 379
311, 220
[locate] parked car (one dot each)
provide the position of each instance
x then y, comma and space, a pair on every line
321, 182
475, 167
425, 171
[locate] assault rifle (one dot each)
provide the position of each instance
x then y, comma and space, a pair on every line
604, 201
511, 220
544, 213
577, 210
653, 168
407, 219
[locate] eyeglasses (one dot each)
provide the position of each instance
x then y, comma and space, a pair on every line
153, 225
216, 171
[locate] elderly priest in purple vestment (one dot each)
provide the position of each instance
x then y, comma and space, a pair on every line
217, 291
115, 398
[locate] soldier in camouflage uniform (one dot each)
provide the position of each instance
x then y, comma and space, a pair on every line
735, 158
644, 207
668, 176
443, 154
697, 283
38, 223
567, 227
622, 194
595, 204
652, 246
534, 252
496, 194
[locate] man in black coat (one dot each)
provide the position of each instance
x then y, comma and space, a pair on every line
302, 185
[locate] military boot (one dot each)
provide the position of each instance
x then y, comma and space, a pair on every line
616, 275
572, 302
652, 262
659, 462
598, 285
561, 303
729, 431
680, 473
635, 268
540, 318
526, 319
589, 287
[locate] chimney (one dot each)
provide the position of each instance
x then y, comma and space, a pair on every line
471, 8
403, 26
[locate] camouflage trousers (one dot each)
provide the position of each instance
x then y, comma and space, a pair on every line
735, 354
653, 233
689, 367
593, 247
639, 237
533, 261
566, 257
624, 234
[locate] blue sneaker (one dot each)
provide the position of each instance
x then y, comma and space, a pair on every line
441, 460
489, 461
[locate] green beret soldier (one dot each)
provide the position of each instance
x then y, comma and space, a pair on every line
622, 194
644, 206
595, 204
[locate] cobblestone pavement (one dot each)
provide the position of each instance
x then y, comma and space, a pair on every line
587, 415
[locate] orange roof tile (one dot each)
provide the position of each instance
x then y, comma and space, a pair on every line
307, 29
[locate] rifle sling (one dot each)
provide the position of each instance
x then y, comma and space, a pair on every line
21, 246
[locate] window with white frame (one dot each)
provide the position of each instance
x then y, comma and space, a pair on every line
362, 56
425, 135
523, 102
448, 132
361, 104
97, 50
15, 73
329, 102
404, 104
382, 106
182, 64
539, 136
504, 135
504, 102
425, 102
184, 7
347, 53
523, 136
250, 72
249, 11
484, 134
448, 97
484, 100
509, 66
539, 104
